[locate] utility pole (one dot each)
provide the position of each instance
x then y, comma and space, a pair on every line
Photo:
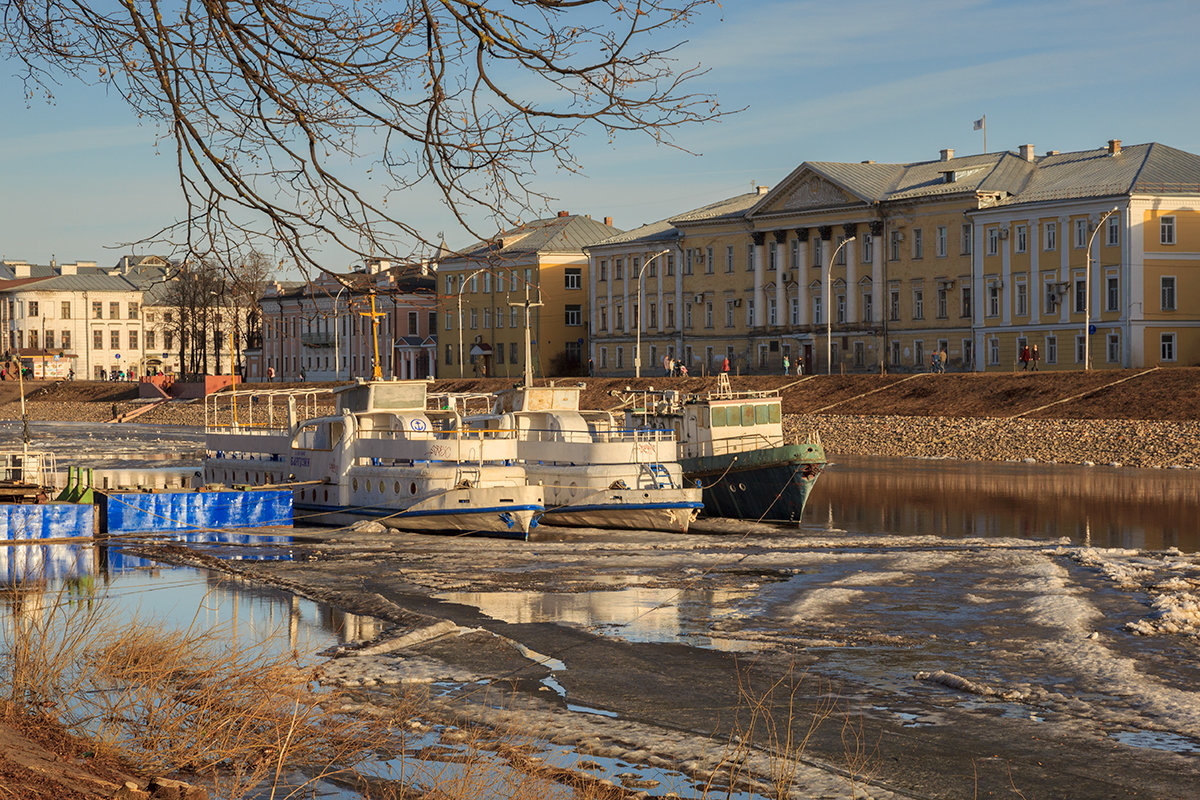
528, 343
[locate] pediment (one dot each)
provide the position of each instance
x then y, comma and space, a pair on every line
812, 191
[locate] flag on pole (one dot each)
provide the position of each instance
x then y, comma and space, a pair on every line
979, 123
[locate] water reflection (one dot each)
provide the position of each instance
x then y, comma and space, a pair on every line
1102, 506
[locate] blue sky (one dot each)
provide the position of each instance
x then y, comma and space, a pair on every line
820, 81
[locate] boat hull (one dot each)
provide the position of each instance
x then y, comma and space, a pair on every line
768, 484
671, 510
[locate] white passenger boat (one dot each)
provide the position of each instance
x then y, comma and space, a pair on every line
596, 471
379, 455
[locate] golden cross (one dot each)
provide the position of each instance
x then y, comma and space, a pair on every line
375, 315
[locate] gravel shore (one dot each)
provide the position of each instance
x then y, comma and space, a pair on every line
1132, 443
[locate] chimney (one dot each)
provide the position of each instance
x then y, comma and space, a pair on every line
69, 269
762, 189
947, 154
564, 213
1114, 147
608, 221
1026, 152
1051, 152
869, 161
20, 270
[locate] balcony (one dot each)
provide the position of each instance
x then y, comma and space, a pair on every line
317, 339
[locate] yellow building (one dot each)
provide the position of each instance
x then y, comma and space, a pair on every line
866, 267
535, 275
1134, 212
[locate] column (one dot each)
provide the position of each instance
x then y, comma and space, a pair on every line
1006, 279
851, 250
760, 271
1064, 249
877, 249
782, 264
1037, 292
827, 301
803, 298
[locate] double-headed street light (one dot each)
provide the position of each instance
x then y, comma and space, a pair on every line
462, 369
637, 351
829, 304
1087, 289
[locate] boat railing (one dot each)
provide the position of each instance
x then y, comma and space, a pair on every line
737, 444
261, 411
598, 436
34, 467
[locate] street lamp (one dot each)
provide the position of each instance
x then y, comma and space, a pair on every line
337, 324
1087, 290
462, 371
637, 351
829, 305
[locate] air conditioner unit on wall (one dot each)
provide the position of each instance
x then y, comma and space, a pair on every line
1004, 233
697, 299
737, 302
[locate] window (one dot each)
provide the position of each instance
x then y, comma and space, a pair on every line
993, 298
1050, 236
687, 315
474, 319
687, 262
133, 340
97, 339
1167, 283
620, 357
619, 318
1051, 349
513, 353
709, 266
603, 357
487, 283
993, 241
449, 354
150, 338
33, 339
966, 239
795, 254
918, 297
868, 308
432, 322
603, 270
894, 305
860, 354
897, 237
114, 310
412, 323
499, 317
1080, 295
918, 352
968, 351
942, 304
619, 267
487, 318
1080, 345
602, 318
841, 250
1112, 231
708, 314
816, 303
449, 284
966, 302
670, 269
33, 308
1081, 233
728, 313
169, 341
772, 256
729, 258
817, 260
750, 257
895, 358
868, 248
1022, 300
652, 316
1051, 297
114, 339
65, 312
841, 308
993, 351
1166, 347
918, 244
1022, 238
750, 321
134, 308
941, 241
573, 278
449, 322
575, 315
1112, 350
651, 267
1112, 294
513, 316
98, 310
1166, 231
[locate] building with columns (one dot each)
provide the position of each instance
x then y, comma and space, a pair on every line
866, 266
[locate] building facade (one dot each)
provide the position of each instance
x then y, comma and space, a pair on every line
868, 267
536, 277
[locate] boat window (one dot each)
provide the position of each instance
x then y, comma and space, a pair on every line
775, 412
761, 413
316, 436
747, 415
718, 417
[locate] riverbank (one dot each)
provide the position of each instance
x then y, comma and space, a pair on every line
1132, 418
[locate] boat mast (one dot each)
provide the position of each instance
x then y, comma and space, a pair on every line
528, 344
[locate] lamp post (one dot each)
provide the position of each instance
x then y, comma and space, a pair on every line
337, 323
462, 372
1087, 290
829, 305
637, 351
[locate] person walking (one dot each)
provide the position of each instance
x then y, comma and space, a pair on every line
799, 366
787, 366
1024, 358
725, 365
1035, 356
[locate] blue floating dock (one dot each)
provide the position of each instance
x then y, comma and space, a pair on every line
148, 512
28, 521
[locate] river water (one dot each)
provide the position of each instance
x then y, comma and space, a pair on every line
1026, 578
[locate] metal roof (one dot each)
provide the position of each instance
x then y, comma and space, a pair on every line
569, 234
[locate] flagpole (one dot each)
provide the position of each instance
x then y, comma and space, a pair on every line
985, 134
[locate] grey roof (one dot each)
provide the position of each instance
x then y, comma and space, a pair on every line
1150, 168
93, 282
569, 234
665, 230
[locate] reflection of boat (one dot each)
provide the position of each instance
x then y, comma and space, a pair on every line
597, 472
733, 444
379, 456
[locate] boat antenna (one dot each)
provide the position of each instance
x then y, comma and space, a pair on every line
528, 343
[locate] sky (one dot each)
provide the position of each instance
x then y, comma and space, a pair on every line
815, 81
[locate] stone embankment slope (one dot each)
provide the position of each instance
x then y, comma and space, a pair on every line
1130, 417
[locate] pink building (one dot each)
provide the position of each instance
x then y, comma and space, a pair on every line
325, 330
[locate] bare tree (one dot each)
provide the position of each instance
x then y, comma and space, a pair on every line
273, 106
